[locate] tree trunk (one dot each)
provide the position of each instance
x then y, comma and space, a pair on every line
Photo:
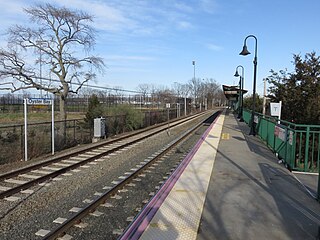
62, 108
63, 118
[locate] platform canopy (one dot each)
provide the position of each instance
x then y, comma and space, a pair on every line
232, 92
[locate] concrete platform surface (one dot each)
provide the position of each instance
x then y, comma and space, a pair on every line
251, 196
231, 186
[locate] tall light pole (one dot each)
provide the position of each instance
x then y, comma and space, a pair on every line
194, 79
240, 113
245, 52
194, 69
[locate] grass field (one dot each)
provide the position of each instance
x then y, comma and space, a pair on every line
41, 116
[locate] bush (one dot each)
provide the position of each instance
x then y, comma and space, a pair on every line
133, 118
95, 110
120, 118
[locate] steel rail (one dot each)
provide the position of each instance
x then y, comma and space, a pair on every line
56, 173
76, 217
92, 147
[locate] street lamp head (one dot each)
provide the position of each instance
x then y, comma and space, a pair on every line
244, 51
237, 73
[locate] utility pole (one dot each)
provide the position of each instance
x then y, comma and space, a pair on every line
194, 79
264, 96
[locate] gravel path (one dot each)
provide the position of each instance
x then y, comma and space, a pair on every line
21, 220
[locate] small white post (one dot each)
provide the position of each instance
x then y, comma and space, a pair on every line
25, 130
185, 106
206, 104
280, 103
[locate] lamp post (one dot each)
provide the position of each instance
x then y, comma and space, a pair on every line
240, 113
194, 69
245, 52
194, 79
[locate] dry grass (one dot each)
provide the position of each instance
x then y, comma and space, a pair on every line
43, 116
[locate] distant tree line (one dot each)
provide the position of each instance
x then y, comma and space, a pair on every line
201, 91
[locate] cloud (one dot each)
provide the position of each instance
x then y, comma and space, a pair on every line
107, 17
209, 6
214, 47
125, 63
183, 7
126, 69
184, 25
134, 58
143, 18
13, 7
12, 13
127, 16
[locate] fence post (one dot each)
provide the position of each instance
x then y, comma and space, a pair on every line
74, 130
319, 184
306, 153
293, 149
21, 141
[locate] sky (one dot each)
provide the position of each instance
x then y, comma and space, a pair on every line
155, 41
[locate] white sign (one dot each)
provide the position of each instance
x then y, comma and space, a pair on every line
280, 133
290, 138
39, 101
167, 105
275, 109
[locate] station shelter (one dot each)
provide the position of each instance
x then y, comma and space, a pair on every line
232, 93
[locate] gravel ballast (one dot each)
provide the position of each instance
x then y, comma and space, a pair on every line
22, 219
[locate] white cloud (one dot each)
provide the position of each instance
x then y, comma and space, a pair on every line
214, 47
143, 18
134, 58
12, 7
183, 7
12, 13
106, 16
184, 25
209, 6
126, 69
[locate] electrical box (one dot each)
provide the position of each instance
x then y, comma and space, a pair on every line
99, 127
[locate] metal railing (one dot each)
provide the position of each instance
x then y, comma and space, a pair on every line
296, 144
13, 103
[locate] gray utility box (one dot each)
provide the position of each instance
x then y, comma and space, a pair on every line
99, 127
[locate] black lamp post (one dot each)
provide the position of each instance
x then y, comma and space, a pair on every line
240, 112
245, 52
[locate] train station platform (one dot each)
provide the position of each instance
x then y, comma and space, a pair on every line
230, 186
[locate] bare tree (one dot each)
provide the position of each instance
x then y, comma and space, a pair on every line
185, 90
59, 36
195, 87
177, 88
144, 89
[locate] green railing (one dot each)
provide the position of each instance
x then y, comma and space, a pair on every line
297, 144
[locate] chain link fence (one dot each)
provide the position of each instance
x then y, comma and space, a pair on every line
77, 132
13, 103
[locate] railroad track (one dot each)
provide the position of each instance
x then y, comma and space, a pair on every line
24, 178
134, 179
